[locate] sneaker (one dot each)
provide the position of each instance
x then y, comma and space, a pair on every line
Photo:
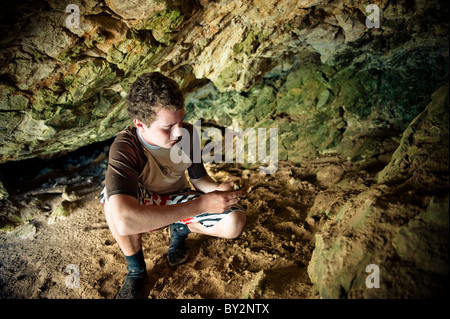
178, 251
132, 286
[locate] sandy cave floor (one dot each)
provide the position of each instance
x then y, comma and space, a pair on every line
269, 259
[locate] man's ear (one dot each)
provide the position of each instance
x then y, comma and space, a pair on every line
138, 124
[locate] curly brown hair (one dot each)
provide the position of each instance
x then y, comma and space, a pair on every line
150, 92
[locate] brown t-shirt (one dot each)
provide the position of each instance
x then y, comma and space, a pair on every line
131, 163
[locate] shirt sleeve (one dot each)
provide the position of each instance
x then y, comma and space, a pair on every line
124, 166
197, 169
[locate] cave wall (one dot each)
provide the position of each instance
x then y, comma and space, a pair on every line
311, 68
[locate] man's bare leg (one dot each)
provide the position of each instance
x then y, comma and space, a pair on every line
230, 226
131, 247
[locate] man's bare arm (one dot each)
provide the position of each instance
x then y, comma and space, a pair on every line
206, 184
131, 218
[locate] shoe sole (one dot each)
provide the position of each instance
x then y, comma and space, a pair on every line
185, 260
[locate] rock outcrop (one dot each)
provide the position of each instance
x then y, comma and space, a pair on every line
400, 223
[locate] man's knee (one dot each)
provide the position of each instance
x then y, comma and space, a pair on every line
236, 223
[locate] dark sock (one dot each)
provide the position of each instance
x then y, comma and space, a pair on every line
136, 263
178, 251
178, 236
135, 278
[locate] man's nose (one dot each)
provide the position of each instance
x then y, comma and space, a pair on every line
176, 132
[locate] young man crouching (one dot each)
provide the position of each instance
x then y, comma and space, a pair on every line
146, 191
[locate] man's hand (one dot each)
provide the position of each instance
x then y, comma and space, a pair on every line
206, 184
217, 202
227, 185
236, 184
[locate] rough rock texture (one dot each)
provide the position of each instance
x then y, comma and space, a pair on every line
316, 65
399, 223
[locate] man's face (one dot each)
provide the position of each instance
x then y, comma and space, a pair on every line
165, 130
